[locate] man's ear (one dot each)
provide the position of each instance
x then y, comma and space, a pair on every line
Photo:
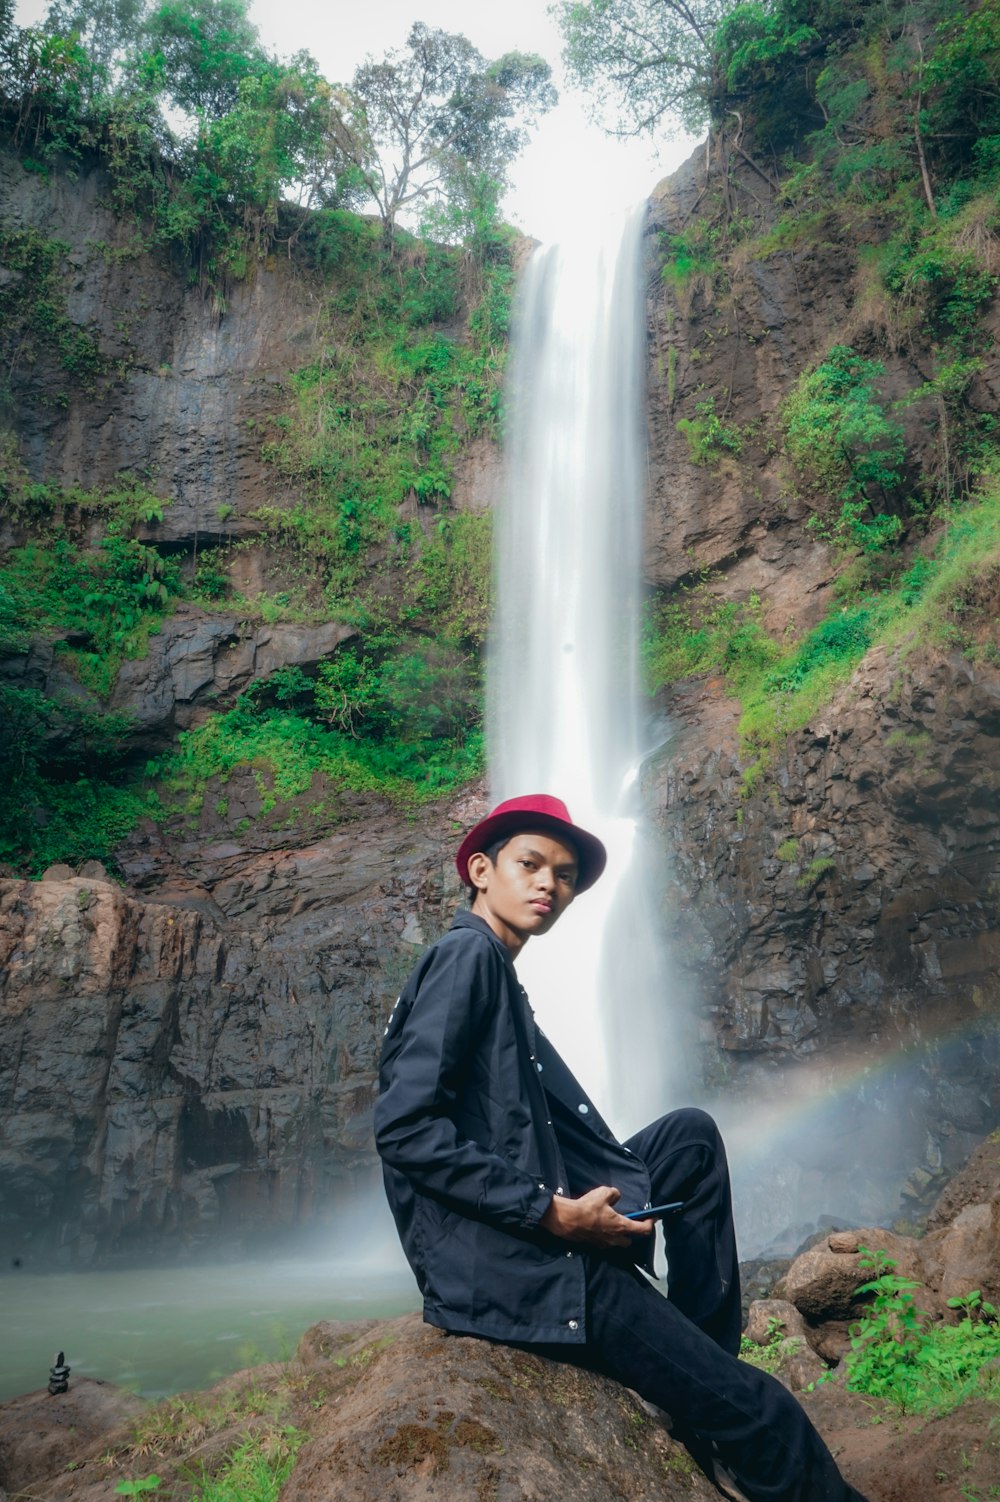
480, 866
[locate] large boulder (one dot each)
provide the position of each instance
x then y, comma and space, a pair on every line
423, 1415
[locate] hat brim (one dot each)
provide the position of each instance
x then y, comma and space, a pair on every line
590, 852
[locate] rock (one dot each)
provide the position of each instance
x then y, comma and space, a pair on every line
889, 955
197, 386
422, 1415
976, 1183
197, 660
964, 1256
58, 872
844, 1241
198, 1056
798, 1364
42, 1436
821, 1283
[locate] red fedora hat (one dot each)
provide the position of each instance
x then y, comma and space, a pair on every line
534, 811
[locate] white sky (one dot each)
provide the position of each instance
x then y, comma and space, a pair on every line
570, 173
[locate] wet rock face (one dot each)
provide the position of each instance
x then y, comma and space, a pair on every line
194, 384
201, 1063
859, 885
843, 921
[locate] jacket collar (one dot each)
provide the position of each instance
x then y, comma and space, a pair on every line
466, 919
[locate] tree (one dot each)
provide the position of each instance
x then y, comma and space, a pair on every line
429, 120
651, 63
199, 51
105, 29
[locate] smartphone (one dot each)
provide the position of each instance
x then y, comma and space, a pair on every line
654, 1211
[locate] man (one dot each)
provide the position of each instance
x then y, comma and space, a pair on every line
507, 1186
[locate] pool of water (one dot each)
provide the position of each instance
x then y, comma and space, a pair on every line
162, 1330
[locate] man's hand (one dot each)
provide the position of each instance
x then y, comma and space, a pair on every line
591, 1219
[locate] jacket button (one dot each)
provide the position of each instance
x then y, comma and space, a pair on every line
559, 1190
539, 1068
569, 1254
574, 1324
583, 1110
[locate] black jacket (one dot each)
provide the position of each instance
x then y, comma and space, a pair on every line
478, 1123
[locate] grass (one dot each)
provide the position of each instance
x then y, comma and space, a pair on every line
255, 1459
255, 1472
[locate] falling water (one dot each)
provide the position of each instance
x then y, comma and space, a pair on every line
563, 668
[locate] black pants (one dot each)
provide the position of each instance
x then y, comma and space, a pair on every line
679, 1352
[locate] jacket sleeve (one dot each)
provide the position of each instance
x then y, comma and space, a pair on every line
426, 1061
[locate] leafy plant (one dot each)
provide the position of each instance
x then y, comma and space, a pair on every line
838, 435
897, 1354
708, 435
33, 316
776, 1350
402, 720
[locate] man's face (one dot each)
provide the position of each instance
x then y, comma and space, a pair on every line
532, 883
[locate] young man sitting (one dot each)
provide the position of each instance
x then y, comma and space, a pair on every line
510, 1193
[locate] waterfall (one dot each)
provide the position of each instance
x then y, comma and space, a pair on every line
563, 669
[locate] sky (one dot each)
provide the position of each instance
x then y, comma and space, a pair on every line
570, 174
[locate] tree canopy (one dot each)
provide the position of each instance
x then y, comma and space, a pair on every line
429, 120
648, 63
210, 134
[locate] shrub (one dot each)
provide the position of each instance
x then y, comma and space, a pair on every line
897, 1354
839, 437
708, 435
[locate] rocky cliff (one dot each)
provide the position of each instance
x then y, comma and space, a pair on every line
191, 1053
838, 918
189, 1049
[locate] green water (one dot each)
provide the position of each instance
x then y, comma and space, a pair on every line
165, 1330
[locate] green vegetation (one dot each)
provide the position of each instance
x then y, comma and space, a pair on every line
648, 63
381, 415
872, 127
898, 1354
255, 1472
771, 1356
33, 318
216, 148
688, 255
708, 435
838, 435
404, 724
875, 131
253, 1452
104, 601
948, 596
256, 150
61, 760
